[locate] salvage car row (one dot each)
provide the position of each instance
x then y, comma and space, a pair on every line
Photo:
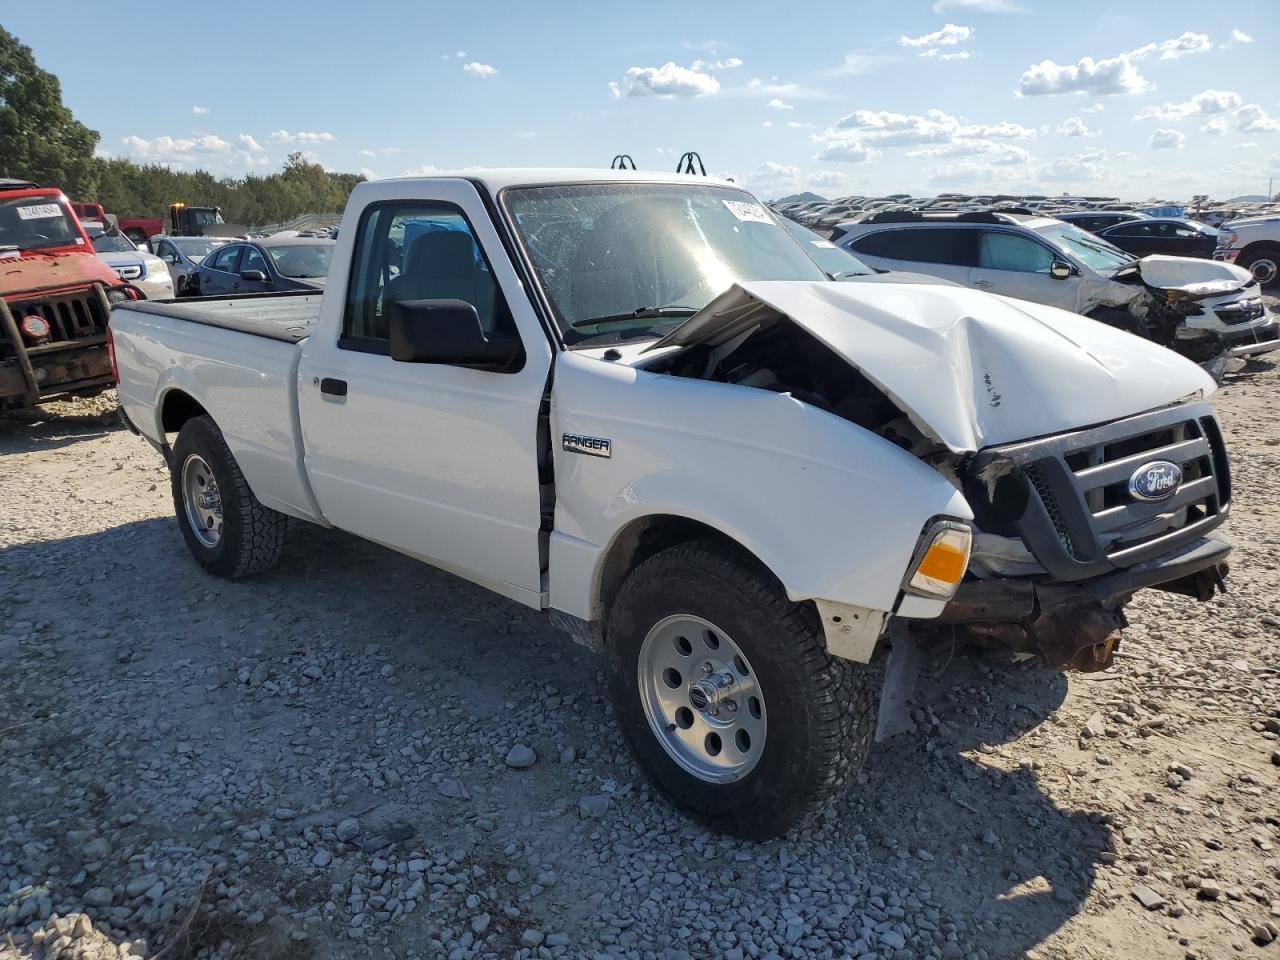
1210, 310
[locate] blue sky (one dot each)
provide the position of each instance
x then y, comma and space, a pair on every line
1142, 99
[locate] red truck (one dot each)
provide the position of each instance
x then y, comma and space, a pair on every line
55, 299
184, 221
137, 229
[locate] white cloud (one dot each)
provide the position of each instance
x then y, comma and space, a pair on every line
899, 129
773, 177
665, 82
979, 6
1083, 166
302, 136
1251, 145
950, 35
199, 111
1125, 155
731, 63
1239, 36
477, 69
366, 153
1100, 78
777, 104
775, 87
993, 152
1093, 108
526, 134
1076, 127
368, 174
249, 143
1251, 118
1203, 104
846, 151
457, 55
767, 124
1177, 47
936, 53
1166, 139
972, 174
1215, 127
828, 178
858, 62
797, 125
174, 150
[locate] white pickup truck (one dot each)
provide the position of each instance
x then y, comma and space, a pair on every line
633, 401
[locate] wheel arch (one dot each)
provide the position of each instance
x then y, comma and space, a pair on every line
176, 408
641, 538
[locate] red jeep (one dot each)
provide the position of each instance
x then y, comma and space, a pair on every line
55, 299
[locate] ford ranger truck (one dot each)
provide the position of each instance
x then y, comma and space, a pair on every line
634, 402
55, 298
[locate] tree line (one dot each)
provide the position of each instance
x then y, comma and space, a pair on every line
41, 140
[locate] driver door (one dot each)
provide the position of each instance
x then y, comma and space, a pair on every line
437, 461
1015, 265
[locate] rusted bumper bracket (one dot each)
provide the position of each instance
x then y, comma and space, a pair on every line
1076, 626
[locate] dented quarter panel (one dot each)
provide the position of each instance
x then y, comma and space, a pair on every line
833, 510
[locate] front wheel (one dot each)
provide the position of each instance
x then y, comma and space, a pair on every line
1264, 264
226, 529
726, 695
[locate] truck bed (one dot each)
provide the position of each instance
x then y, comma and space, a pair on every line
278, 316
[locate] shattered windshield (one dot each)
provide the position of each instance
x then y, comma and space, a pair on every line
631, 260
1086, 247
32, 223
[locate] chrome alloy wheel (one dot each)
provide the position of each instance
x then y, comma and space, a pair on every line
202, 501
701, 698
1264, 269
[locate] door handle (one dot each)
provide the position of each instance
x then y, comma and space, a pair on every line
982, 283
333, 387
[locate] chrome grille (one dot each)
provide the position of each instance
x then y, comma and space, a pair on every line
1067, 496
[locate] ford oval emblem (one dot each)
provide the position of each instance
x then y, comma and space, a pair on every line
1157, 480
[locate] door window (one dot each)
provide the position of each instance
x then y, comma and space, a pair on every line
416, 251
1008, 251
1133, 230
253, 260
225, 259
925, 245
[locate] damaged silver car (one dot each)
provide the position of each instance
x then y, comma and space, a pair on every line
1205, 310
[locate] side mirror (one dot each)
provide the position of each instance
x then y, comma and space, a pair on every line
449, 332
1059, 270
254, 276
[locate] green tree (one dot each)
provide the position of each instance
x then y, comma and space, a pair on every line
39, 138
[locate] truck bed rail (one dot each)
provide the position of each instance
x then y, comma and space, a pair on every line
289, 316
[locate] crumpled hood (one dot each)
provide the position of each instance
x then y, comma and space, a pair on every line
1190, 275
19, 274
970, 369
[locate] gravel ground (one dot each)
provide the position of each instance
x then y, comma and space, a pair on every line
358, 756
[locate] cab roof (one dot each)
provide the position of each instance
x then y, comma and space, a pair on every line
499, 178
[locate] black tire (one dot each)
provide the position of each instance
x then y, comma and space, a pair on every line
820, 709
1262, 254
252, 536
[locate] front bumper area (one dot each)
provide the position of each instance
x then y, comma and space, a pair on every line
1256, 340
1076, 625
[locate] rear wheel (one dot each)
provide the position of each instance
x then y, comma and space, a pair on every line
1263, 263
226, 529
726, 695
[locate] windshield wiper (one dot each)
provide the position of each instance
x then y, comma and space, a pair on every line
639, 313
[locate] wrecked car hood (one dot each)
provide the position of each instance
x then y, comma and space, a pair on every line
1188, 275
970, 369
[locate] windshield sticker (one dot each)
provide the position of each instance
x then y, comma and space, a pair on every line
823, 244
40, 211
747, 212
